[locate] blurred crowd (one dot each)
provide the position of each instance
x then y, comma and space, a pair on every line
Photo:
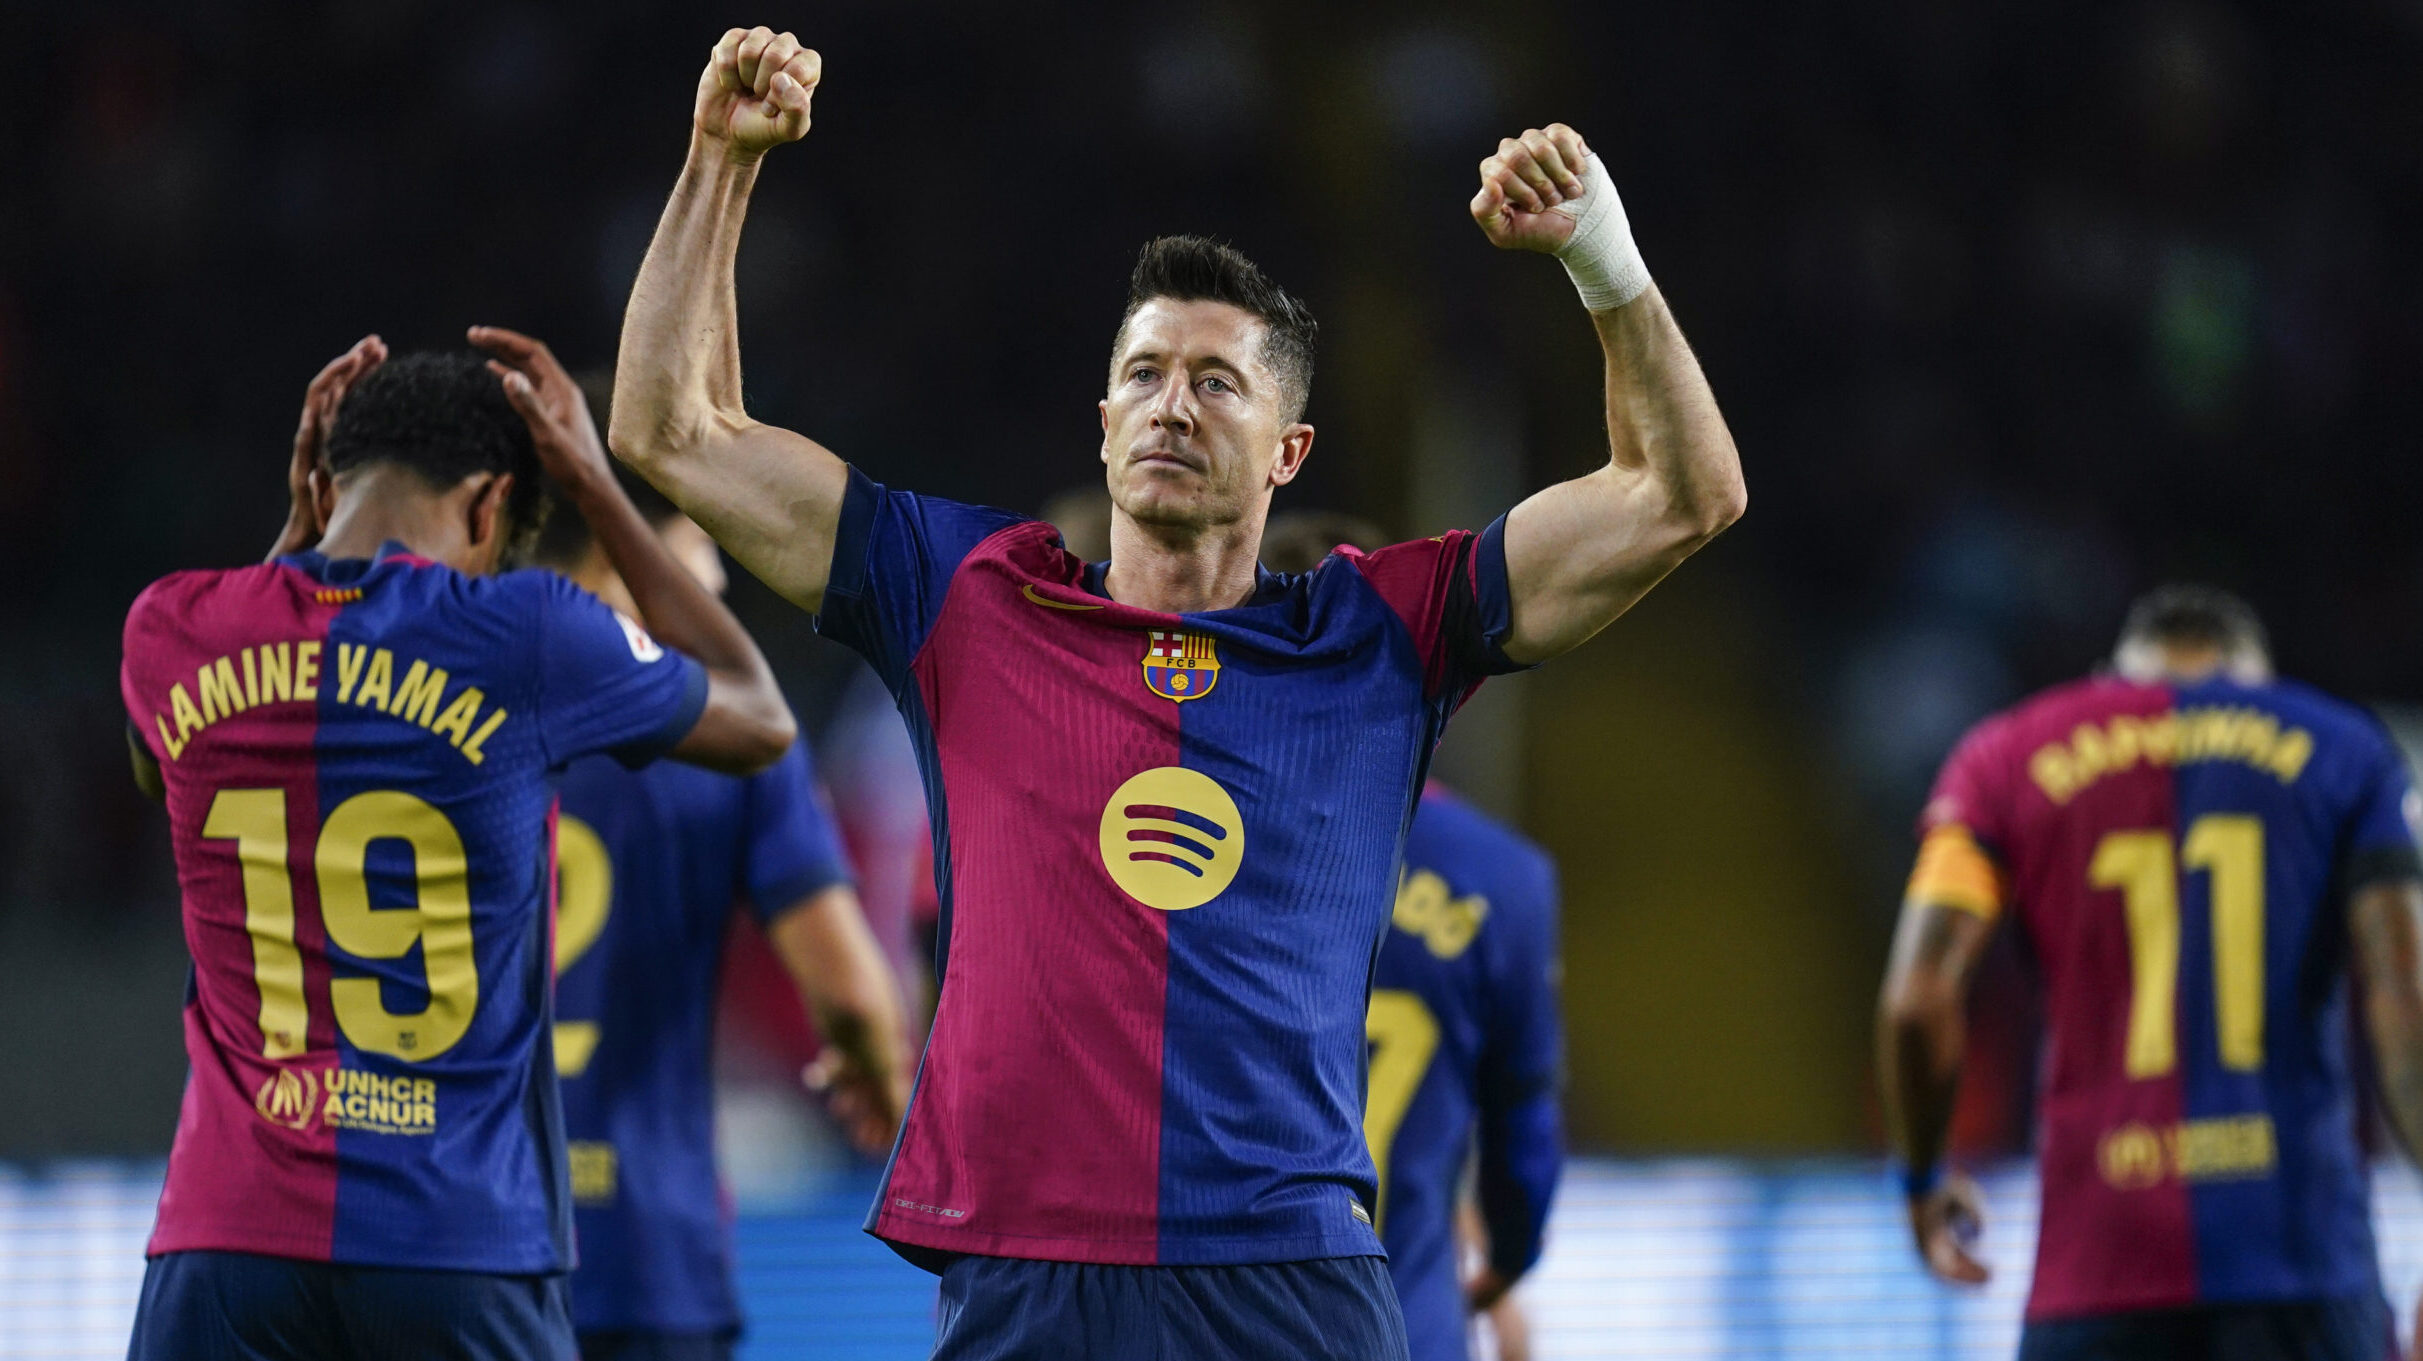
2015, 308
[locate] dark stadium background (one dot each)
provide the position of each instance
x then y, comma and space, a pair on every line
2016, 308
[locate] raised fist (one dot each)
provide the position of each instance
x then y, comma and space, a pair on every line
753, 96
1531, 190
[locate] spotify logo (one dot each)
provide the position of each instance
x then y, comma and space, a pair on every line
1172, 838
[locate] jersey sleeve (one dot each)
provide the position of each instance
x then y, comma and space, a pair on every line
1451, 593
1963, 829
2386, 825
604, 685
894, 554
793, 850
1521, 1134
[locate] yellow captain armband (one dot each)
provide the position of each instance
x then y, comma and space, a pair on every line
1954, 871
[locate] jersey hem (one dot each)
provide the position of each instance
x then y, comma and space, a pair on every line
1257, 1251
317, 1249
2066, 1311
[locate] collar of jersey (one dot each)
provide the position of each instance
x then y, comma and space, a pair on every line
1269, 586
344, 571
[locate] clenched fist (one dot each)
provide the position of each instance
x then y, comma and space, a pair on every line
754, 94
1525, 182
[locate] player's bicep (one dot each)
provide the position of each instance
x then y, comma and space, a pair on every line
1580, 553
2385, 923
1936, 950
770, 496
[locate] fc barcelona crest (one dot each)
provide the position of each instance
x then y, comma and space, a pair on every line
1179, 666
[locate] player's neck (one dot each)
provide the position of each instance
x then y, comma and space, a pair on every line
596, 574
380, 505
1180, 570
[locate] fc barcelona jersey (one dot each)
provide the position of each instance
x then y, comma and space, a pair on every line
2179, 859
357, 759
653, 864
1165, 847
1465, 1040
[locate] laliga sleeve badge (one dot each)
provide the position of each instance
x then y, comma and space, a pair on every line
1179, 665
645, 648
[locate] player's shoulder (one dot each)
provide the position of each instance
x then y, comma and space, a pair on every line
938, 520
1408, 579
1029, 547
2336, 723
2296, 700
1469, 846
194, 607
1401, 567
181, 590
2054, 712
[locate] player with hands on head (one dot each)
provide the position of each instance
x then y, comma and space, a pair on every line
1148, 848
355, 742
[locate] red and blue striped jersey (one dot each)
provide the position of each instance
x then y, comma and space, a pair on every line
1165, 847
1466, 1049
357, 759
653, 864
2179, 859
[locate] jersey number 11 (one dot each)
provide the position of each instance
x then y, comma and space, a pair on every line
2229, 846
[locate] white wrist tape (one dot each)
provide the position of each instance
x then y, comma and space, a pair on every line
1600, 257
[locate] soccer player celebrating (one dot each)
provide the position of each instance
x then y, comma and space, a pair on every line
2193, 850
1167, 793
653, 862
1464, 1035
354, 742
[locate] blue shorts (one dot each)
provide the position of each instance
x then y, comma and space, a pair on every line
2357, 1329
639, 1344
236, 1306
1006, 1309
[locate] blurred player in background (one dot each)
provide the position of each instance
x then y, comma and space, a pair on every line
1168, 792
2194, 850
652, 863
354, 741
1465, 1039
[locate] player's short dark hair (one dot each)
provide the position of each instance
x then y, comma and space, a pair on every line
1199, 269
1297, 540
566, 538
2195, 616
443, 415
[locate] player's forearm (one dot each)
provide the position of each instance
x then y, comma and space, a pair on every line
2387, 922
1918, 1051
1922, 1028
1522, 1152
2396, 1024
677, 376
844, 981
1663, 425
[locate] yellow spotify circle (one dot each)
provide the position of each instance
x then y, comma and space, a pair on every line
1172, 838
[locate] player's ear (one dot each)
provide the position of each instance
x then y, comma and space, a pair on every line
487, 510
1295, 446
323, 496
